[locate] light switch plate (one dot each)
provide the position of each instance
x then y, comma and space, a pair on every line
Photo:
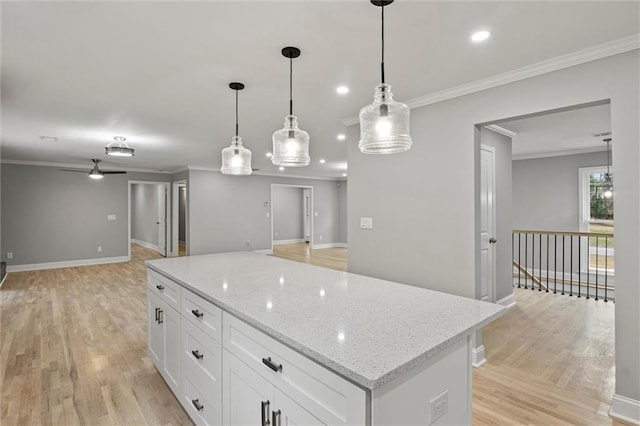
111, 217
366, 223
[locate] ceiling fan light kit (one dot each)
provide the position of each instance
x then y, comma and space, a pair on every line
236, 159
384, 124
290, 144
95, 172
119, 148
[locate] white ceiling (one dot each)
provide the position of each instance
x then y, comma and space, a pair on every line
158, 72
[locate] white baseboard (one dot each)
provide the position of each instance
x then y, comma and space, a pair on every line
66, 264
477, 356
625, 409
509, 301
293, 241
148, 245
264, 251
328, 245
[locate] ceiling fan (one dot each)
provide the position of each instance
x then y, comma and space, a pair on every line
95, 172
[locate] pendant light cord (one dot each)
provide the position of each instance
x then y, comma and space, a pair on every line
290, 86
236, 112
608, 159
382, 63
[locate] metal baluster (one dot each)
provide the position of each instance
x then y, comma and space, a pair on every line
547, 263
513, 239
579, 264
555, 263
606, 267
597, 243
540, 261
533, 260
588, 265
571, 265
519, 259
563, 264
526, 255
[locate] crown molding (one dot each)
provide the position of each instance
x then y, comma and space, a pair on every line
83, 166
501, 130
280, 175
589, 54
534, 155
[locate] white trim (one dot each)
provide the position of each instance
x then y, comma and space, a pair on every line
82, 166
477, 356
67, 264
175, 217
625, 409
550, 65
167, 222
328, 245
492, 286
500, 130
280, 175
293, 241
263, 251
509, 301
532, 155
147, 245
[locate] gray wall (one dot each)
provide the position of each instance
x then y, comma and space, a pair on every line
502, 206
145, 202
52, 216
342, 206
423, 202
288, 220
227, 213
545, 191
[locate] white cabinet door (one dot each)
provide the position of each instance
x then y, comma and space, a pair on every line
247, 398
172, 349
155, 343
289, 413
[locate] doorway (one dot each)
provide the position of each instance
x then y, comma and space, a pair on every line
179, 237
148, 211
291, 214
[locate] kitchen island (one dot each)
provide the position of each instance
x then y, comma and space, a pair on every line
243, 338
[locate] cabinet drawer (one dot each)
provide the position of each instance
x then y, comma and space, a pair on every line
202, 313
202, 357
202, 409
329, 397
168, 290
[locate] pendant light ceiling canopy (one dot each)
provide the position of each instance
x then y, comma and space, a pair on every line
384, 124
236, 159
119, 148
290, 144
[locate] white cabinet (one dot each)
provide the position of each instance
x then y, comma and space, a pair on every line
164, 339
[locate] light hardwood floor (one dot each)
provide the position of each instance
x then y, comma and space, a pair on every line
73, 351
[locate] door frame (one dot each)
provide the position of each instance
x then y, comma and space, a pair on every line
311, 224
491, 287
167, 228
175, 224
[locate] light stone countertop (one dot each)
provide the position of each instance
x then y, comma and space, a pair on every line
365, 329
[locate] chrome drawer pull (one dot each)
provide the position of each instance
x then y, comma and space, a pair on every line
160, 287
160, 316
275, 367
196, 403
197, 354
197, 313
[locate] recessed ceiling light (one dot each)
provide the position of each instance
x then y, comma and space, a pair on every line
322, 161
342, 90
341, 137
269, 155
479, 36
344, 175
281, 168
48, 139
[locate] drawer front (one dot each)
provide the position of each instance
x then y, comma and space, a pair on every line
330, 398
168, 290
195, 399
202, 357
202, 313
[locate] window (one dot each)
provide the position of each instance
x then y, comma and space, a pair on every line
596, 216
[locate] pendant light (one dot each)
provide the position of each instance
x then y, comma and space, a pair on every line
119, 148
236, 159
384, 124
607, 185
290, 144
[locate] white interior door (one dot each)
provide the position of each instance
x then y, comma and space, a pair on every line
487, 223
306, 209
162, 219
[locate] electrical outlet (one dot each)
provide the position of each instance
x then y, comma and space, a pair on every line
9, 255
99, 249
276, 233
248, 242
438, 406
320, 237
111, 217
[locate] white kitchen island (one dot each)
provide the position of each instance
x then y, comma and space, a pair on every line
243, 338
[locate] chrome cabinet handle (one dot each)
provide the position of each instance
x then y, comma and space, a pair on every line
265, 413
160, 287
275, 416
197, 313
196, 403
197, 354
157, 309
160, 316
272, 365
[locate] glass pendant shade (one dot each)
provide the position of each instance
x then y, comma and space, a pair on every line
236, 159
119, 148
384, 124
290, 145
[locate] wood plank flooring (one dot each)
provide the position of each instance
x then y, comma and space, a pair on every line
73, 351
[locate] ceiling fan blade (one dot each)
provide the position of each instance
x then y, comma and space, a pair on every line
255, 170
113, 172
75, 170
